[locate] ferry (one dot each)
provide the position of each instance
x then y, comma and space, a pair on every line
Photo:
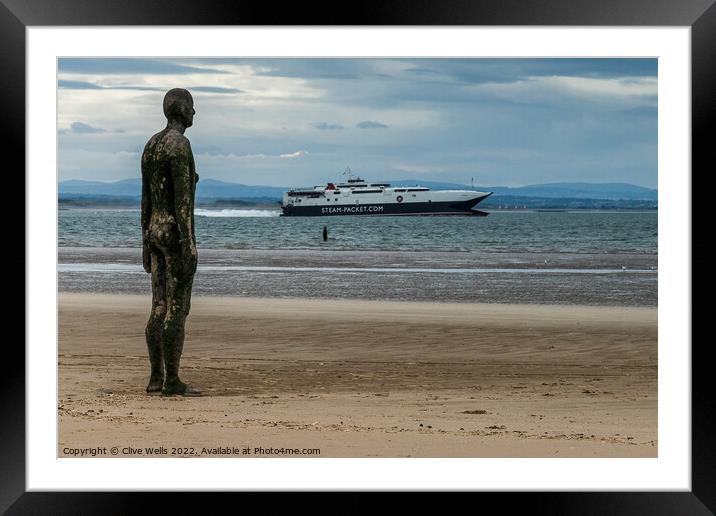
356, 196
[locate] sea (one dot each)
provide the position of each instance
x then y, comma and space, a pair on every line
542, 257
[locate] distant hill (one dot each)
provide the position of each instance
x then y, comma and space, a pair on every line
510, 202
221, 190
207, 188
214, 190
612, 191
124, 188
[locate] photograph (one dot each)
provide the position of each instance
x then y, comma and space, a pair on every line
357, 257
426, 246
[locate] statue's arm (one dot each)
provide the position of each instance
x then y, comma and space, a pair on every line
146, 217
183, 178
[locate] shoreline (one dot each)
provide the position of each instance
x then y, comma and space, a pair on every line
227, 304
366, 378
571, 279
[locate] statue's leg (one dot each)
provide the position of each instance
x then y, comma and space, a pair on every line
155, 324
178, 304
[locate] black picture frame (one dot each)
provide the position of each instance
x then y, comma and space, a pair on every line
700, 15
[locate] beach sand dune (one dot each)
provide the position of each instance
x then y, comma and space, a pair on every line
365, 379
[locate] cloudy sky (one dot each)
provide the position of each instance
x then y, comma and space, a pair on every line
294, 122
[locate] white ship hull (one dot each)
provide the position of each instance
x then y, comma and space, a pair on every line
370, 199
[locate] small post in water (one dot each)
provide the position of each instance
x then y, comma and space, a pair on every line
325, 233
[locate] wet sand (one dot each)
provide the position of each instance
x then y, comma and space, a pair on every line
427, 276
363, 379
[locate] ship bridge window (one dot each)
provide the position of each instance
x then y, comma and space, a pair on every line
400, 189
305, 194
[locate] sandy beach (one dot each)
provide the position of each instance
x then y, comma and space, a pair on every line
363, 379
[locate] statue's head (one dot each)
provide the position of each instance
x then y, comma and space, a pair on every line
179, 106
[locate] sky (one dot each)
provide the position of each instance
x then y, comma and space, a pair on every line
300, 122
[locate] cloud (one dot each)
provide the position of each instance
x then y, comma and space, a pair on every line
211, 150
419, 169
214, 89
370, 124
337, 69
508, 121
81, 128
556, 89
127, 154
84, 85
104, 65
216, 153
296, 154
423, 71
618, 87
327, 127
480, 71
78, 85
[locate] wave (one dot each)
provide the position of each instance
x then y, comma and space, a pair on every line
236, 213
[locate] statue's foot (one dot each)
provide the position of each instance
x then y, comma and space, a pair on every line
180, 388
155, 384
